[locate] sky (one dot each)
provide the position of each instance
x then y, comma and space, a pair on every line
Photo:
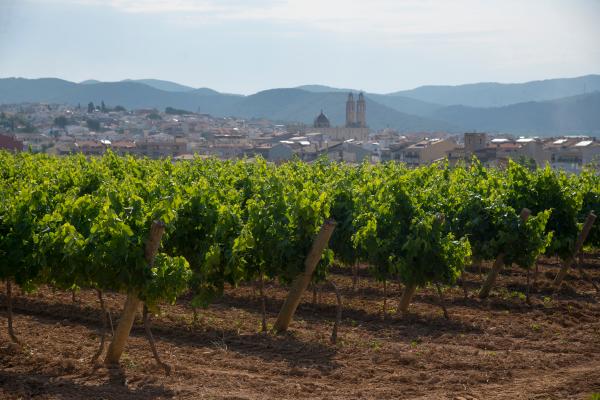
244, 46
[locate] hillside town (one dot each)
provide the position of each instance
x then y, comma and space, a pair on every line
93, 129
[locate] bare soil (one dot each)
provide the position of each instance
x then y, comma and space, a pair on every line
498, 348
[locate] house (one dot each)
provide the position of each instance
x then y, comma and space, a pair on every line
280, 152
10, 143
90, 147
425, 151
573, 153
349, 151
161, 146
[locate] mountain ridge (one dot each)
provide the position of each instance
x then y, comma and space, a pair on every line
568, 113
494, 94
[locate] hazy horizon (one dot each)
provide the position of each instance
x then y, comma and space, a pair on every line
244, 47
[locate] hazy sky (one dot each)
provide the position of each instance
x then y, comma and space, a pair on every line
245, 46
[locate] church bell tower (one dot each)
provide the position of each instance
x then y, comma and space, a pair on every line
350, 111
361, 111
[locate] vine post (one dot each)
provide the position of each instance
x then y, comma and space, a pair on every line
117, 345
484, 292
587, 226
407, 295
411, 288
286, 314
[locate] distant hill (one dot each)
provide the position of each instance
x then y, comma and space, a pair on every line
576, 114
502, 94
399, 103
167, 86
323, 89
139, 95
292, 105
129, 94
570, 114
19, 90
406, 104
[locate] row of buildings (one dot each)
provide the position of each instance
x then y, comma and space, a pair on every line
569, 153
60, 129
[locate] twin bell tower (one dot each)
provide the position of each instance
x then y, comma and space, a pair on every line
356, 112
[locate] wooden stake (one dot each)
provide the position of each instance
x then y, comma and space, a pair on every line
407, 295
286, 314
587, 226
484, 292
117, 345
491, 277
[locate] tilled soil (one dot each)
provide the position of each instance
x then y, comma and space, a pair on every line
498, 348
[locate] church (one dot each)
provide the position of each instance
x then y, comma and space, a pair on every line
356, 121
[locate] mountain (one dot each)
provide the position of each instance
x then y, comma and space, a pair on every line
399, 103
323, 89
575, 114
129, 94
89, 82
138, 95
167, 86
209, 92
406, 104
20, 90
503, 94
570, 114
294, 105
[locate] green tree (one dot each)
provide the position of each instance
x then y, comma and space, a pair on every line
93, 125
61, 121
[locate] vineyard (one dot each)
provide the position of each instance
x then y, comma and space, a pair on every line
319, 280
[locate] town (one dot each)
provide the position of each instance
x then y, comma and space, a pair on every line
93, 129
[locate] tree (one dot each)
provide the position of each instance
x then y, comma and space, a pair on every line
91, 107
154, 116
176, 111
61, 121
93, 125
103, 107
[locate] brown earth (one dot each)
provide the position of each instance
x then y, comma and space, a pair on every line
499, 348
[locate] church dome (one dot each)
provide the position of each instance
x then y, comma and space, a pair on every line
322, 121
